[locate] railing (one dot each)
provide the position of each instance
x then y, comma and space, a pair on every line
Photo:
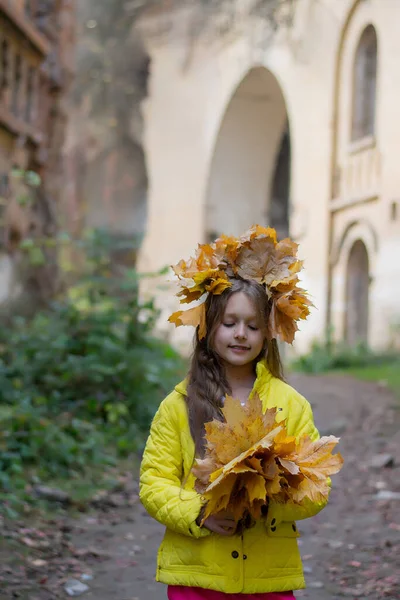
359, 177
19, 88
12, 11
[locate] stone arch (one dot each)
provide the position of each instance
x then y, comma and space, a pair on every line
249, 174
364, 85
357, 294
358, 229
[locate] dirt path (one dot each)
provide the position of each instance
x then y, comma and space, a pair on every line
351, 549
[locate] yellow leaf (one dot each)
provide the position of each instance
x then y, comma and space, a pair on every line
194, 316
273, 487
258, 231
316, 463
264, 444
288, 307
244, 427
219, 501
284, 444
256, 488
316, 491
250, 458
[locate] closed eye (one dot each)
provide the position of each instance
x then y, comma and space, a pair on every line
252, 327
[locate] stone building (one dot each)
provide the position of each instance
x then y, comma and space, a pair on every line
298, 130
36, 62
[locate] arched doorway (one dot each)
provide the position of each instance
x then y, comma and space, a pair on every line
249, 178
357, 295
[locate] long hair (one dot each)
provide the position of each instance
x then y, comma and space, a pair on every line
207, 383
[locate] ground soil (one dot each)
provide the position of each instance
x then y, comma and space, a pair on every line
350, 550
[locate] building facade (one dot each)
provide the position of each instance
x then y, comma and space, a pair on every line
299, 132
36, 64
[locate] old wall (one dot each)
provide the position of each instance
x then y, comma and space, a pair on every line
211, 141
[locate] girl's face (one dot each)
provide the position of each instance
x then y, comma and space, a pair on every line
240, 337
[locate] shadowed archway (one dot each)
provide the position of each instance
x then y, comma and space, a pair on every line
249, 179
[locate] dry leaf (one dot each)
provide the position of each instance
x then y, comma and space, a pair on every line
38, 562
250, 458
258, 231
194, 316
255, 256
290, 304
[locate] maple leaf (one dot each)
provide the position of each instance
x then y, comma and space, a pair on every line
234, 465
205, 257
243, 427
286, 251
258, 231
285, 445
188, 295
195, 316
225, 248
218, 284
206, 277
315, 462
254, 256
249, 458
209, 280
268, 262
290, 304
204, 261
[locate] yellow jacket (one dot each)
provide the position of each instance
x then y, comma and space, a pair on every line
264, 558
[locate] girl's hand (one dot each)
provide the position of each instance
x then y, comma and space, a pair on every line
223, 523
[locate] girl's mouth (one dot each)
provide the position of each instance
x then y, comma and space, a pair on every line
239, 349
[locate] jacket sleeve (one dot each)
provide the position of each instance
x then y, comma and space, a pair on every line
161, 490
304, 425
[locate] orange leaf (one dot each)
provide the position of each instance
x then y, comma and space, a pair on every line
264, 444
287, 308
316, 463
189, 295
193, 316
258, 231
244, 427
220, 501
249, 458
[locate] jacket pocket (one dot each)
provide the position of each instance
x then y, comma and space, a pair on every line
179, 552
284, 529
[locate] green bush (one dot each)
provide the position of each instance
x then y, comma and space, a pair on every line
80, 382
327, 357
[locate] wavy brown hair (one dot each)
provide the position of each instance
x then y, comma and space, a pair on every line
207, 383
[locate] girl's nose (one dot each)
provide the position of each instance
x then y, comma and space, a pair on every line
240, 331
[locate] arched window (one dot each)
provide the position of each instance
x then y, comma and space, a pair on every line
364, 85
357, 295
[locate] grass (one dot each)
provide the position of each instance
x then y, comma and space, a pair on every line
387, 373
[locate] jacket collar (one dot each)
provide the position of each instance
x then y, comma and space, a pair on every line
263, 377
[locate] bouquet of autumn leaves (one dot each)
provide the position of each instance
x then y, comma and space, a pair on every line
250, 459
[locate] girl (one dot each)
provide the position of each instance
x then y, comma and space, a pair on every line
251, 298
